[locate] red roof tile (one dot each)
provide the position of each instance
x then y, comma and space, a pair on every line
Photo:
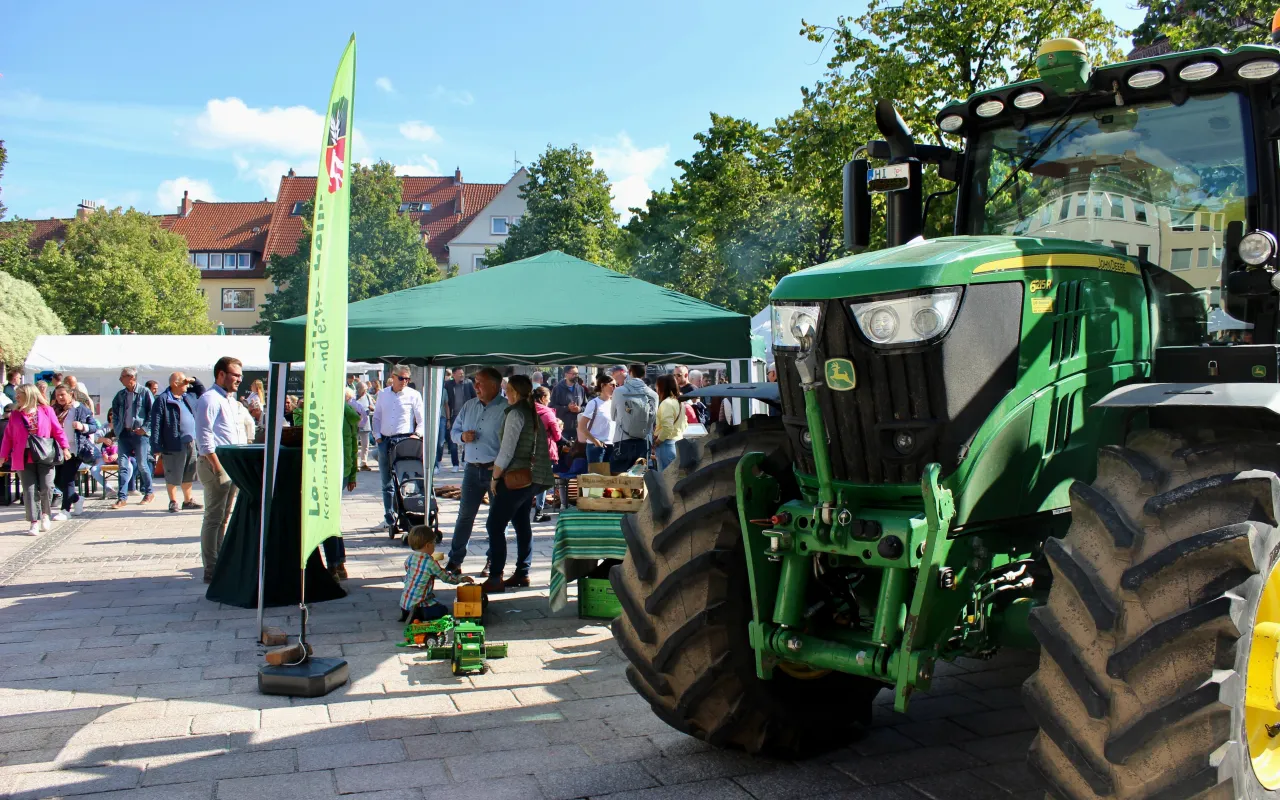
442, 223
225, 226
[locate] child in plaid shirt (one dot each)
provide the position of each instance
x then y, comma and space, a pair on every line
420, 572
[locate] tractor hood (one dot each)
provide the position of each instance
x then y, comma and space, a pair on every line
948, 261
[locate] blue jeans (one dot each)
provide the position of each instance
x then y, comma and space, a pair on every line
510, 506
627, 452
335, 551
539, 498
384, 470
665, 453
598, 455
135, 460
444, 439
475, 482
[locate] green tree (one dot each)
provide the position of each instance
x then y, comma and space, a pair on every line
23, 316
122, 266
4, 156
568, 209
1204, 23
386, 251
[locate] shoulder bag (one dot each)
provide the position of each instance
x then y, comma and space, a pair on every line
41, 449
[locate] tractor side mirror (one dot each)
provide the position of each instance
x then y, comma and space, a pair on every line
857, 206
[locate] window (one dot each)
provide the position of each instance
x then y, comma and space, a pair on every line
1144, 252
498, 226
202, 260
215, 261
1202, 257
1097, 204
246, 259
297, 209
1140, 211
1066, 208
414, 208
239, 331
1182, 220
1046, 214
1206, 221
237, 300
1117, 206
477, 263
1121, 247
1181, 259
1217, 256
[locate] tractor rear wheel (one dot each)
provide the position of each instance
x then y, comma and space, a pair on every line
686, 603
1165, 605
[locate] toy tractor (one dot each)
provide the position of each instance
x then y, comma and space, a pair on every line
428, 634
467, 649
1056, 429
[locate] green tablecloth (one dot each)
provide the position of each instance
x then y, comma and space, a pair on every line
582, 539
235, 579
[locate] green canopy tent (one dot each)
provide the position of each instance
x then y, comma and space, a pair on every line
548, 309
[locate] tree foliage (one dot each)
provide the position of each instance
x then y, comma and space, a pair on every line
4, 156
121, 266
386, 252
23, 316
1204, 23
568, 209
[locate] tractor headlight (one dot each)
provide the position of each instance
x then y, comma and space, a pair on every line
908, 319
409, 489
792, 325
1257, 248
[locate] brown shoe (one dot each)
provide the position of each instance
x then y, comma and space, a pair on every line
494, 585
342, 572
484, 573
208, 576
146, 498
118, 505
516, 581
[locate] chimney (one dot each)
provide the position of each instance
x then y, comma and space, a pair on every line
457, 176
459, 207
184, 208
291, 175
86, 208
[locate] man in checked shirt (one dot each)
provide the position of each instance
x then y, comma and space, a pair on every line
420, 572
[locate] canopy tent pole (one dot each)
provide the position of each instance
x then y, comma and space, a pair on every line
434, 383
277, 382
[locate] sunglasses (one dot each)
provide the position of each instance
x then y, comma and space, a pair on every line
399, 377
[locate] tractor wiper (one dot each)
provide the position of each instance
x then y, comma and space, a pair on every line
1049, 138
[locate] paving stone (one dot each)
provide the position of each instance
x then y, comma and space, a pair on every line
590, 730
222, 765
921, 762
484, 700
31, 785
997, 723
516, 737
291, 786
293, 717
496, 719
441, 745
1001, 749
892, 791
935, 732
401, 727
531, 761
617, 751
1013, 776
140, 730
353, 754
225, 722
601, 779
719, 789
795, 782
957, 784
701, 766
931, 708
882, 740
300, 736
173, 791
406, 774
522, 787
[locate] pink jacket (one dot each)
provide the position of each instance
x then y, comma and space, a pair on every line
547, 415
13, 448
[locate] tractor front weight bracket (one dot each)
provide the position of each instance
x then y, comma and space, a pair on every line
757, 501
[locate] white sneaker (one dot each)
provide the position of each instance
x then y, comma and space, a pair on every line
35, 529
60, 517
45, 524
79, 506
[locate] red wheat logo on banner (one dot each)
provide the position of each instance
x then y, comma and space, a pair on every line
335, 154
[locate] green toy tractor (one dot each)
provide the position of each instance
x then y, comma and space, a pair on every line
1055, 430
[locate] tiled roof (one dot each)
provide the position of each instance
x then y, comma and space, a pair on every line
225, 226
53, 230
442, 223
1157, 48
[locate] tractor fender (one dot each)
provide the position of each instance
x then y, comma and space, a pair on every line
768, 392
1263, 396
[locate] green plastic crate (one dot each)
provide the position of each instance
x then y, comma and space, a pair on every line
596, 599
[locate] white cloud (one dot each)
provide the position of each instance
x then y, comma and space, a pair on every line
230, 124
459, 97
384, 83
630, 170
418, 131
428, 166
267, 174
169, 193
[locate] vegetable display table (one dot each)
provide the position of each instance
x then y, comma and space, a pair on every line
235, 578
583, 538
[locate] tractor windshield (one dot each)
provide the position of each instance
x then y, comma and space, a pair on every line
1157, 181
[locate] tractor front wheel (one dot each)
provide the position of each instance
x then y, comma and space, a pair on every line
1160, 639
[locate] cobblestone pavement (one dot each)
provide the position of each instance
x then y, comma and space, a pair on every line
118, 679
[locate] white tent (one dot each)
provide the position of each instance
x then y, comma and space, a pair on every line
762, 326
96, 361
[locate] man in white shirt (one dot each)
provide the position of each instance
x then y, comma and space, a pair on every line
217, 423
397, 415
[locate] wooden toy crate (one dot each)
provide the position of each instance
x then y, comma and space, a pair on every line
631, 486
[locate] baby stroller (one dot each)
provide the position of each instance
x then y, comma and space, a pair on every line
408, 483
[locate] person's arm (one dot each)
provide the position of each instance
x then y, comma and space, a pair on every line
90, 422
560, 397
584, 429
147, 402
350, 424
153, 424
377, 422
440, 573
510, 438
419, 418
206, 413
553, 431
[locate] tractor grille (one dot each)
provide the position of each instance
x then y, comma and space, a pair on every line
937, 396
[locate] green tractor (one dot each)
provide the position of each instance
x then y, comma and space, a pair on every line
1055, 430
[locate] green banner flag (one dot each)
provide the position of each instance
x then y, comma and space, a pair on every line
327, 317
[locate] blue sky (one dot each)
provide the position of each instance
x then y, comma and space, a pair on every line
128, 104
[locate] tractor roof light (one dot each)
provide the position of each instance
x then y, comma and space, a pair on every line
1029, 99
1146, 79
988, 109
1258, 69
1198, 71
1257, 248
951, 123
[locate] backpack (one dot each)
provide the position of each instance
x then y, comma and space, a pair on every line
636, 414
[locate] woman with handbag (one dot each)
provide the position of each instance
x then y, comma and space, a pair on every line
33, 444
79, 426
522, 461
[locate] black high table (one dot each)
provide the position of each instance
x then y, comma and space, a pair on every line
235, 578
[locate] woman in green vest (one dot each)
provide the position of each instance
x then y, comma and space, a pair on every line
522, 462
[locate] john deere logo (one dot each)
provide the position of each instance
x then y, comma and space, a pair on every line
840, 375
1259, 371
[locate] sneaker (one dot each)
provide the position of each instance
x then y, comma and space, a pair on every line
146, 498
118, 505
173, 507
60, 516
189, 505
45, 524
79, 509
35, 529
543, 518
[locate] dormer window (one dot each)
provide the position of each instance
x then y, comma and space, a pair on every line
296, 211
414, 208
